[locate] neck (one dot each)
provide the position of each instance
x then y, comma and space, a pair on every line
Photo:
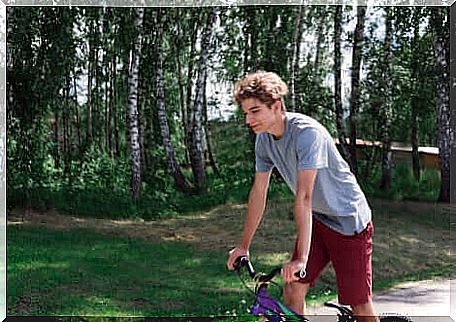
278, 129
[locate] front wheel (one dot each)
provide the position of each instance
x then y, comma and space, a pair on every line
395, 318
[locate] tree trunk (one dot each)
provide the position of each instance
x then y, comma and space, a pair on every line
316, 66
180, 82
133, 83
142, 123
107, 102
150, 99
354, 99
66, 128
97, 128
387, 111
338, 85
246, 32
190, 74
78, 117
268, 57
207, 138
56, 140
250, 56
89, 138
452, 39
107, 18
196, 155
445, 135
111, 105
114, 110
212, 161
181, 182
295, 59
414, 139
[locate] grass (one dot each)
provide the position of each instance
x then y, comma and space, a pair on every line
144, 270
86, 273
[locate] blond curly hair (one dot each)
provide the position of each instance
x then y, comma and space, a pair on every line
267, 87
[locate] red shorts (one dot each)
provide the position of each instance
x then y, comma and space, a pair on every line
351, 257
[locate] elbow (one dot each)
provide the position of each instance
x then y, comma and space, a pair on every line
303, 197
303, 200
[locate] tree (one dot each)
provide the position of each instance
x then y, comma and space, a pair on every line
354, 99
294, 75
133, 82
338, 84
250, 44
197, 155
315, 97
181, 182
386, 109
415, 65
445, 136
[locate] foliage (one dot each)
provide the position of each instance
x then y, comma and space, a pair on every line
67, 88
405, 186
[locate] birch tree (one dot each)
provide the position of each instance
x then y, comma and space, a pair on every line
133, 84
173, 166
197, 155
387, 109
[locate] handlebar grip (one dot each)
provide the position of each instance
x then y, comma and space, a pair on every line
242, 261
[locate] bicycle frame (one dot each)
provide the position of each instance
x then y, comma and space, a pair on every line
264, 304
267, 306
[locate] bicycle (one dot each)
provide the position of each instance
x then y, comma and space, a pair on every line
273, 310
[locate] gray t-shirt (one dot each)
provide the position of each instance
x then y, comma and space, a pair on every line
337, 199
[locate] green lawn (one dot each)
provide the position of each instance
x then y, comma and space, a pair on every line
81, 272
87, 271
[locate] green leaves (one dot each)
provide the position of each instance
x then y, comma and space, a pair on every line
67, 88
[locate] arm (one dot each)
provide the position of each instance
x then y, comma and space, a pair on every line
303, 219
255, 210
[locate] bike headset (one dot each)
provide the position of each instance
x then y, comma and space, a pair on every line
260, 279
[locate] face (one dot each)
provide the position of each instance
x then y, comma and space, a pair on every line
258, 116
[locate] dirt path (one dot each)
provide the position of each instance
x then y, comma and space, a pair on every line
423, 301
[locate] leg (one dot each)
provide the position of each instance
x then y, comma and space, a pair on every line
365, 312
352, 260
295, 295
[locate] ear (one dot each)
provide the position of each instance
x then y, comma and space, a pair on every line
277, 106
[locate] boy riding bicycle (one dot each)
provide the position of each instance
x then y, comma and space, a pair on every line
333, 218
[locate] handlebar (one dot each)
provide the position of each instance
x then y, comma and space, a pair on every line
243, 261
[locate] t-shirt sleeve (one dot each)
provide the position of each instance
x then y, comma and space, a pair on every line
262, 161
312, 150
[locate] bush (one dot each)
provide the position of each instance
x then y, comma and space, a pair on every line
404, 184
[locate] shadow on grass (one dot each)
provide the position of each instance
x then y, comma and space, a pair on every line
80, 272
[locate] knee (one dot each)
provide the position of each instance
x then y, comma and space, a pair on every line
296, 289
364, 309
